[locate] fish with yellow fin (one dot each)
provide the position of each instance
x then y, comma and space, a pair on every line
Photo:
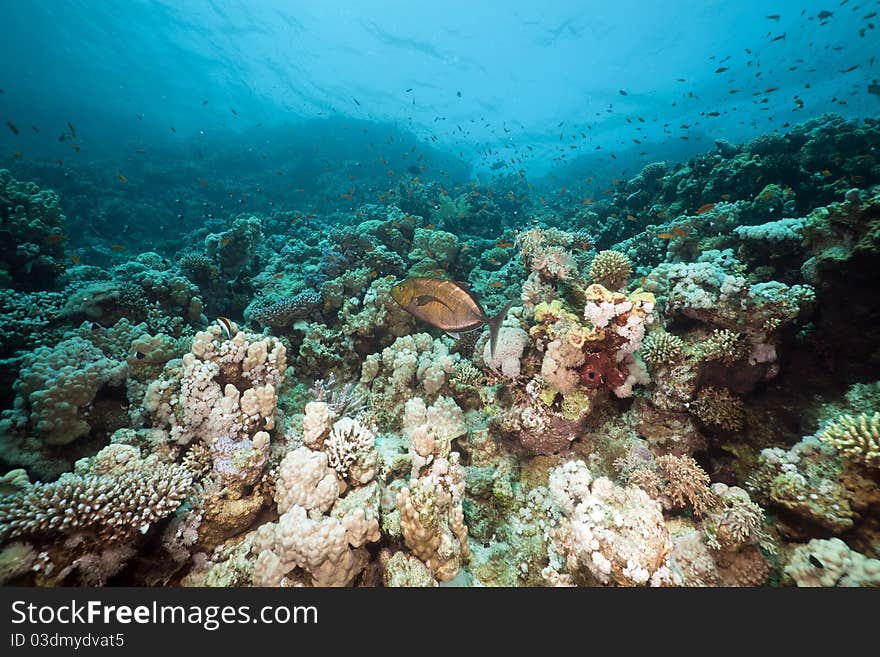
447, 305
228, 328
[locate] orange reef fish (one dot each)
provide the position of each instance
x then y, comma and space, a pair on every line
706, 207
448, 306
75, 259
118, 247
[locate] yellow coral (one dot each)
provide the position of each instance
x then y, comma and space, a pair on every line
855, 437
611, 268
549, 313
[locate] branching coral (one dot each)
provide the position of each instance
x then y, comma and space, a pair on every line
856, 437
615, 534
611, 269
116, 494
725, 346
661, 348
318, 531
717, 407
686, 483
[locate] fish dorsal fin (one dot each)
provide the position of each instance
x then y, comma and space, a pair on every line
473, 295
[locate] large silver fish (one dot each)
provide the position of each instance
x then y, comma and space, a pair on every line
448, 306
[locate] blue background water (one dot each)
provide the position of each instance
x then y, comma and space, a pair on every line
530, 74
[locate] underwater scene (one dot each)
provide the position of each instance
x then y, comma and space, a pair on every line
395, 294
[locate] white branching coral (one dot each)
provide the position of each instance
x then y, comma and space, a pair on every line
318, 532
615, 534
194, 405
351, 451
411, 361
115, 494
431, 515
625, 317
223, 394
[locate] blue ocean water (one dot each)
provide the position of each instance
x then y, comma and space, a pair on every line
213, 213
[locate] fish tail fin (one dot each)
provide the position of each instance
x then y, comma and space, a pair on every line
495, 325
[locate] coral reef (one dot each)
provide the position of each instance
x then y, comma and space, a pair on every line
684, 394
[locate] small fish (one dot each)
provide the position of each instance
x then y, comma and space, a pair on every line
713, 113
54, 238
721, 69
202, 182
458, 93
118, 247
75, 259
356, 101
72, 129
773, 17
874, 89
35, 128
824, 14
678, 231
447, 306
622, 93
233, 111
227, 326
703, 209
12, 127
205, 102
122, 178
665, 236
770, 90
850, 69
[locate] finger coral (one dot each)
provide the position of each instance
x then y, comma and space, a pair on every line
116, 494
857, 437
610, 269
